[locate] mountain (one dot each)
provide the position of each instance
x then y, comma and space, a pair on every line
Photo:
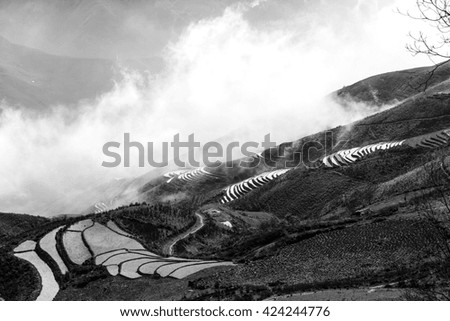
38, 80
416, 112
397, 86
353, 212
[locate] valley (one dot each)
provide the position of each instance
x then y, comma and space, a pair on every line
367, 220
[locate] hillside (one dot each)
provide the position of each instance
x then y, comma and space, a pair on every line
362, 211
397, 86
38, 80
14, 224
412, 118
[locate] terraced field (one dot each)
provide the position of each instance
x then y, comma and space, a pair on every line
433, 140
338, 159
349, 156
48, 244
100, 207
73, 242
359, 251
125, 256
190, 175
107, 246
174, 174
101, 239
350, 219
49, 286
238, 190
113, 226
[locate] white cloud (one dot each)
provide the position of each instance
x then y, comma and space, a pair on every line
223, 74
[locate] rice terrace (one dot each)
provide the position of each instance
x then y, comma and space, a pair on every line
351, 203
369, 236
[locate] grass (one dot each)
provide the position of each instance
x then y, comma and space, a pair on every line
357, 251
152, 225
300, 193
361, 255
398, 85
14, 224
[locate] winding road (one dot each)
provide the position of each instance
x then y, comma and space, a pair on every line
167, 248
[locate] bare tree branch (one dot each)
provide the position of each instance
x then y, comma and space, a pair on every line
437, 14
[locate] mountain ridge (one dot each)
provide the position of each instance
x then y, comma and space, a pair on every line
353, 216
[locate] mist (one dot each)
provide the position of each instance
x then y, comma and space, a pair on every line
224, 77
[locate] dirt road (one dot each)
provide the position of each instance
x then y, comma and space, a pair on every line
168, 247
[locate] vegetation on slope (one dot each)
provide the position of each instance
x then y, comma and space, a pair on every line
14, 224
393, 86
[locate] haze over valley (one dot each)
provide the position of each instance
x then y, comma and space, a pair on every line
350, 203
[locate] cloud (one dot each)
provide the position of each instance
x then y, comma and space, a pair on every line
223, 75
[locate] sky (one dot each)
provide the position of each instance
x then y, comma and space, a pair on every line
120, 29
231, 69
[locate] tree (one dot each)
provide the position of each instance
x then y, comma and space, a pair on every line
435, 208
437, 14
